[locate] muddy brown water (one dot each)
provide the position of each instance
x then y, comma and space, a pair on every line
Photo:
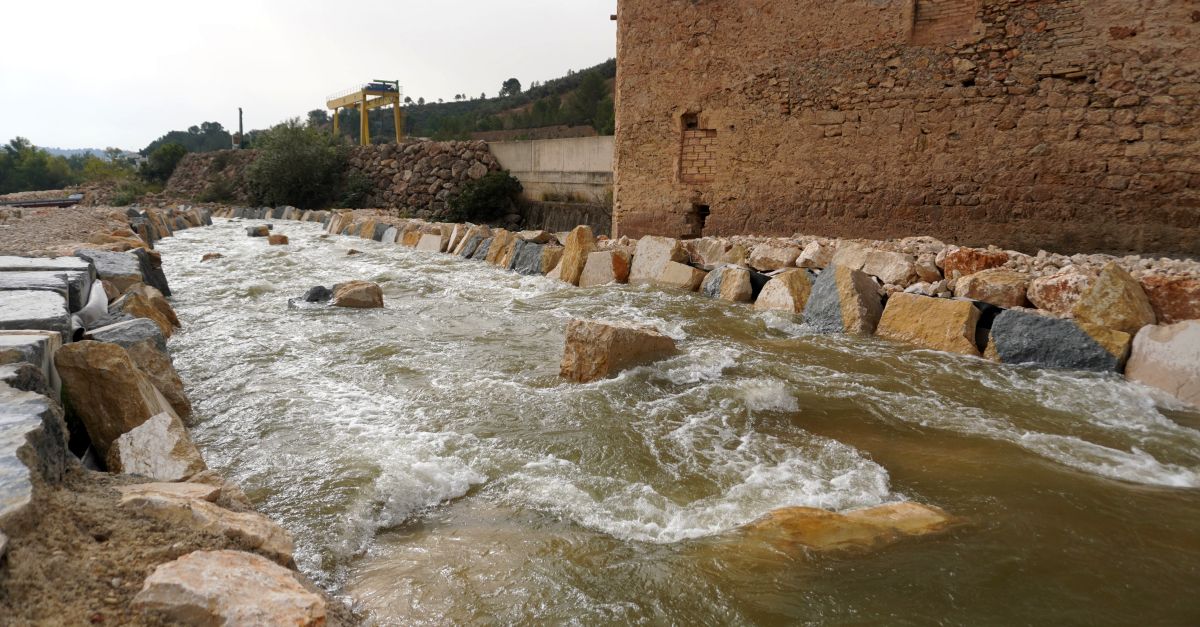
435, 469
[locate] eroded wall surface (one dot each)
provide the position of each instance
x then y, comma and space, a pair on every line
1064, 125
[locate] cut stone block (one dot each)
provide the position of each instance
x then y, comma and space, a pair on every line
32, 309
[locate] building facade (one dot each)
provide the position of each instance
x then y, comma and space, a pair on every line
1068, 125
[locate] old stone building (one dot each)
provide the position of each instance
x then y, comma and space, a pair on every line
1069, 125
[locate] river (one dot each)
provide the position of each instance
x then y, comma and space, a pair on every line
434, 467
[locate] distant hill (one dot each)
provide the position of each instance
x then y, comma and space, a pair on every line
75, 152
579, 99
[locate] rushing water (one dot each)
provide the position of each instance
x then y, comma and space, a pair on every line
434, 468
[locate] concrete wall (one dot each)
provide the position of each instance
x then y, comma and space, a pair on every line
577, 169
1070, 125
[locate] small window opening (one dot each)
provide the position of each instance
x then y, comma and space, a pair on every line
691, 121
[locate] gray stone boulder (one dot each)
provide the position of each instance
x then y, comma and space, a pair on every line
527, 257
34, 309
34, 347
76, 285
318, 294
729, 283
25, 377
33, 448
1022, 337
121, 269
152, 273
844, 300
469, 246
481, 251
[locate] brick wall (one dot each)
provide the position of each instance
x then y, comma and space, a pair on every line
1064, 125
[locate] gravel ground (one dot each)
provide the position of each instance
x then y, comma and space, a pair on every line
31, 231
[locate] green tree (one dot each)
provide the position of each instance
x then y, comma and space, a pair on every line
586, 100
161, 163
318, 118
296, 165
511, 87
25, 167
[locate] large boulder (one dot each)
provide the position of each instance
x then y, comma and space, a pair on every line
152, 272
595, 350
1173, 298
358, 295
770, 256
144, 301
1117, 301
258, 231
502, 242
960, 262
787, 291
147, 347
934, 323
891, 268
817, 254
251, 529
1025, 337
35, 309
728, 283
229, 588
277, 239
678, 276
792, 528
106, 391
33, 347
604, 267
33, 450
430, 243
578, 245
997, 286
1058, 293
471, 238
159, 449
844, 300
706, 252
653, 256
1167, 357
76, 286
850, 256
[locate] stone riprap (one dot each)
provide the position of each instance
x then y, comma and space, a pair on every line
595, 349
832, 297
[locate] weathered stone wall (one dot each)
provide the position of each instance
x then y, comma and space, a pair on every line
1025, 123
419, 177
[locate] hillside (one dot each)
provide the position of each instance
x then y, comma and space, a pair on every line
580, 99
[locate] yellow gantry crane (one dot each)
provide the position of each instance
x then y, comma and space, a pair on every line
373, 95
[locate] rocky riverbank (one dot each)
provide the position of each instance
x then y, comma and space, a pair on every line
1132, 315
108, 513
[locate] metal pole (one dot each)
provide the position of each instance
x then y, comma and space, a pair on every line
241, 130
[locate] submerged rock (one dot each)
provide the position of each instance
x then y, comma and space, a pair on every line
210, 257
277, 239
358, 295
595, 350
258, 231
318, 294
1168, 358
791, 528
229, 588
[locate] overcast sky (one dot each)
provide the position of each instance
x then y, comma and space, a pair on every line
91, 73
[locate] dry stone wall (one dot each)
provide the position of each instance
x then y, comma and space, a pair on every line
420, 177
1028, 124
415, 178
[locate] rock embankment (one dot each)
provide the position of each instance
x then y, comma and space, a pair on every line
90, 401
1086, 312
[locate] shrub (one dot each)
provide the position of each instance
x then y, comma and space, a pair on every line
355, 191
220, 161
486, 199
297, 165
221, 190
161, 163
128, 191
